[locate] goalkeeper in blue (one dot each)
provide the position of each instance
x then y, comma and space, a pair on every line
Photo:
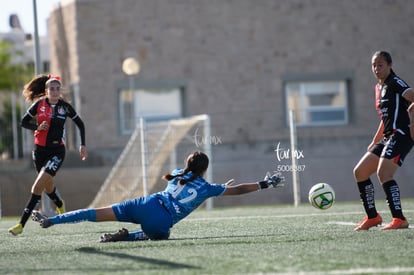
157, 213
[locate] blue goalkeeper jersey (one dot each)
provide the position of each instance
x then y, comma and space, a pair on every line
181, 200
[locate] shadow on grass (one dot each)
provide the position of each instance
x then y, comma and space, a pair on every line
158, 262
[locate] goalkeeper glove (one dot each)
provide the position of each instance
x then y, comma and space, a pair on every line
274, 180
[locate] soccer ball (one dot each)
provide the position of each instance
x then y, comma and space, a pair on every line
321, 196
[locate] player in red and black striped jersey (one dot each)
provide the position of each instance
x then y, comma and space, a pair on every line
54, 116
390, 145
46, 117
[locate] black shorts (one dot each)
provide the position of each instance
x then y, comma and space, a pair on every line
49, 159
395, 147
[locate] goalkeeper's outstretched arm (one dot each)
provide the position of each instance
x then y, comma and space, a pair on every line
243, 188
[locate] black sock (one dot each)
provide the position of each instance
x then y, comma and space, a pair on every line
31, 204
366, 192
392, 192
55, 197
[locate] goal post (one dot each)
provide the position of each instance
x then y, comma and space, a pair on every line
293, 142
152, 150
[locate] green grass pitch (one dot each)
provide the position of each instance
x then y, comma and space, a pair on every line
276, 239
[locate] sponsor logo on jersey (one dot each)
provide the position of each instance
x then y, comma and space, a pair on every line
61, 110
42, 112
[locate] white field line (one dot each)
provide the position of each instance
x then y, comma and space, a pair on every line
372, 270
342, 223
284, 216
389, 270
353, 224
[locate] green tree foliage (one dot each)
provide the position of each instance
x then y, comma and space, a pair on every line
13, 76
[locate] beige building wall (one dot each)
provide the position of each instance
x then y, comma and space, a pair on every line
233, 57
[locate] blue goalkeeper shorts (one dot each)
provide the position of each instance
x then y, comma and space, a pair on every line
149, 212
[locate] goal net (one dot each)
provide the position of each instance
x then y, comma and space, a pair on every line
155, 148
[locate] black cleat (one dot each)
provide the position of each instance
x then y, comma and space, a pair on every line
121, 235
41, 219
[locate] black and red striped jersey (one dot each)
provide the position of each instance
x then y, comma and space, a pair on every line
55, 115
391, 105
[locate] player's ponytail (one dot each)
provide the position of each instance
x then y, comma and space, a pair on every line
169, 177
197, 163
35, 88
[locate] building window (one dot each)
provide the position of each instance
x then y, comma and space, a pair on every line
318, 103
150, 104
